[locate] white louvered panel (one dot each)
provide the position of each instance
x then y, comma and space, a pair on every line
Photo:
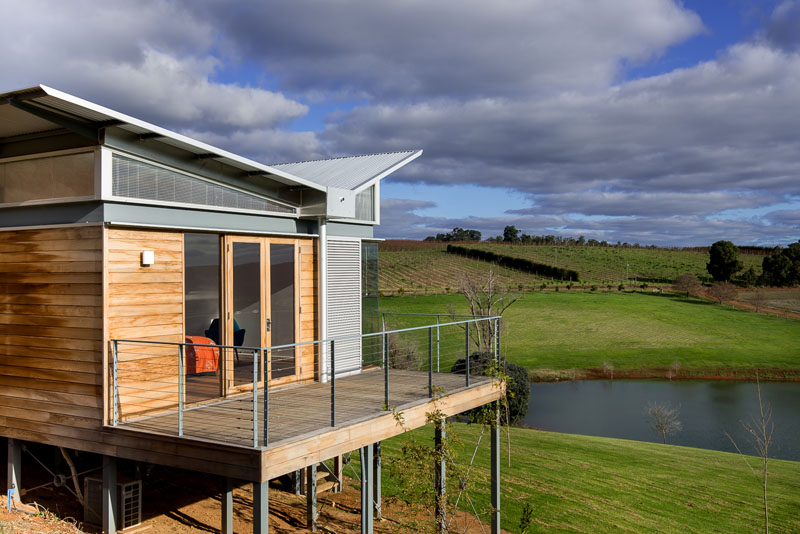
344, 302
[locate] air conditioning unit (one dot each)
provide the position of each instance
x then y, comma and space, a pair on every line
129, 502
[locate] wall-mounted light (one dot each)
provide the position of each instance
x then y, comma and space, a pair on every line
148, 258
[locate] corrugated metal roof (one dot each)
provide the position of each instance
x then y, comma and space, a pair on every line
353, 172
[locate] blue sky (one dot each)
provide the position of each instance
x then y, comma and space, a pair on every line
651, 121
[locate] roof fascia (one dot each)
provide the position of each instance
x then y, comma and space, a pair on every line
397, 166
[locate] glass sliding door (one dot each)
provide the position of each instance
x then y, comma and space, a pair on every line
201, 267
245, 326
282, 309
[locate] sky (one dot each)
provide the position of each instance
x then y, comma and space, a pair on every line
663, 122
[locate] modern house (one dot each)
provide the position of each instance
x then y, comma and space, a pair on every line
169, 302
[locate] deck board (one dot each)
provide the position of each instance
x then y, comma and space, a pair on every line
300, 410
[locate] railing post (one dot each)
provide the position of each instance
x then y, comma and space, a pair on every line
437, 344
180, 389
386, 371
115, 394
466, 351
256, 360
430, 362
266, 399
333, 384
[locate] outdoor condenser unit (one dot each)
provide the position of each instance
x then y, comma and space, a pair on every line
129, 502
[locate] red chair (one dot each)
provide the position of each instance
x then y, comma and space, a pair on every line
200, 359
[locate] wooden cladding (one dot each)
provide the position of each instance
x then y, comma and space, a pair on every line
145, 303
51, 331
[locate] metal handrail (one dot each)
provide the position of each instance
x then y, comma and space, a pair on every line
260, 431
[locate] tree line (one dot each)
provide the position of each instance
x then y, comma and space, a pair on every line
779, 269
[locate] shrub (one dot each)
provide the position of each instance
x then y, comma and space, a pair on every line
518, 389
520, 264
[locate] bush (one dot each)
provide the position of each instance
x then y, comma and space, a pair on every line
518, 388
520, 264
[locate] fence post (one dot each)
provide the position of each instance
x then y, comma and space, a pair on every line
115, 399
430, 362
386, 371
180, 389
466, 350
333, 385
256, 360
266, 399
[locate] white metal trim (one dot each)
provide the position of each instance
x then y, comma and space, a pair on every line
229, 231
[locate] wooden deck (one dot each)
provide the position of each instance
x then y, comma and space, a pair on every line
302, 411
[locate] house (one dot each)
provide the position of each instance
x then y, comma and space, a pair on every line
169, 302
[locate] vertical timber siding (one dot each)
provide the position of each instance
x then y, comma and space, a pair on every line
145, 303
51, 333
309, 330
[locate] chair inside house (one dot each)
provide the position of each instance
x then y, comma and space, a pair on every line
238, 335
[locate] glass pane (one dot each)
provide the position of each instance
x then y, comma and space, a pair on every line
201, 269
370, 311
282, 307
246, 309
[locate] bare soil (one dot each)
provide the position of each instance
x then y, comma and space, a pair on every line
183, 502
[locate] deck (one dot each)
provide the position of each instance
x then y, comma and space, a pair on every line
301, 411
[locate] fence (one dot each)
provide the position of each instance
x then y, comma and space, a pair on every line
175, 388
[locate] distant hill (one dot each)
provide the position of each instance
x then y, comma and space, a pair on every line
424, 267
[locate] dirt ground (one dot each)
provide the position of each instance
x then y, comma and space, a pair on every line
182, 502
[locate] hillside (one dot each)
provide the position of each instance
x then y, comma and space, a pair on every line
425, 267
573, 333
589, 484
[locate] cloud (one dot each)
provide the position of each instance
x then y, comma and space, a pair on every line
153, 60
463, 48
783, 28
790, 218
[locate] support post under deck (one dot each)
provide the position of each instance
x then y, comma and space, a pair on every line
227, 506
261, 507
366, 490
14, 480
311, 497
440, 480
495, 452
109, 495
376, 475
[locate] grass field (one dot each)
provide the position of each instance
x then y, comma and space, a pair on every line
584, 484
632, 331
426, 267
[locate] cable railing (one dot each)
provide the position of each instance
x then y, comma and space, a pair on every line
175, 389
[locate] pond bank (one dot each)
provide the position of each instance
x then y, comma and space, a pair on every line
671, 373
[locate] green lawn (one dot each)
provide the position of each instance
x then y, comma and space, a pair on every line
632, 331
594, 485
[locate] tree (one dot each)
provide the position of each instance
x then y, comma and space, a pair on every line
687, 283
458, 234
510, 234
783, 267
486, 298
723, 261
759, 299
722, 291
663, 419
749, 277
760, 430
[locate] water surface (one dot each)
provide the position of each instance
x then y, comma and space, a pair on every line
707, 410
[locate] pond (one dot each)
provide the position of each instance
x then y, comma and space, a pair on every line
707, 410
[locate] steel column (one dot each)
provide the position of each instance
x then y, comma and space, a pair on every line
440, 474
376, 475
14, 479
311, 496
227, 506
466, 351
386, 372
333, 384
180, 389
338, 472
495, 452
430, 362
366, 490
297, 482
256, 360
109, 495
261, 507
